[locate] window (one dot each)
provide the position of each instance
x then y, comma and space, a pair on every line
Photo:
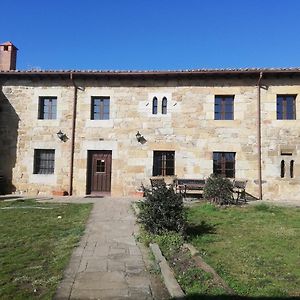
292, 169
282, 169
164, 105
224, 164
100, 166
224, 107
43, 161
286, 107
100, 108
287, 164
47, 108
5, 48
163, 163
159, 105
154, 106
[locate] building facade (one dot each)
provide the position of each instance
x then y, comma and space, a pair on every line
109, 132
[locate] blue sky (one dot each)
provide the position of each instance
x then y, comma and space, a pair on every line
154, 34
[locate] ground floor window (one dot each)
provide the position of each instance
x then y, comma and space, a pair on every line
283, 172
163, 163
44, 161
224, 164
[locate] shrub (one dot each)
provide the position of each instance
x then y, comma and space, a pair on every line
169, 243
218, 190
162, 211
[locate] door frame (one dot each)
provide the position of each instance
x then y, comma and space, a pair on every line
90, 154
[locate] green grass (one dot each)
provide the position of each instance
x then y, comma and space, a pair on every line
192, 279
169, 243
199, 282
254, 248
35, 246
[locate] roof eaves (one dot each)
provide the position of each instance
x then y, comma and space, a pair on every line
243, 71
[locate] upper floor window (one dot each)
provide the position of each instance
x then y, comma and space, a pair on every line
163, 163
44, 161
100, 108
47, 108
224, 107
154, 106
286, 107
164, 105
224, 164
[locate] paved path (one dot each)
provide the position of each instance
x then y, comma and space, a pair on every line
108, 264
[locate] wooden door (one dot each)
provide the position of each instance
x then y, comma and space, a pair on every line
99, 171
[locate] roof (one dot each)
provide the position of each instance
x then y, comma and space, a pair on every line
149, 73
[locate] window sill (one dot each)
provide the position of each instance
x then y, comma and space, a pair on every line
99, 123
49, 179
47, 122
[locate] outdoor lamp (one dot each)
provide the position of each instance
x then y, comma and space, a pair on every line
138, 136
62, 136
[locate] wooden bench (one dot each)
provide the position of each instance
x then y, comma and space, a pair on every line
191, 186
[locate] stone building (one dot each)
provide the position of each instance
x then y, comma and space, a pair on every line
86, 132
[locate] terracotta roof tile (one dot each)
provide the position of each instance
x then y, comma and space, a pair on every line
155, 72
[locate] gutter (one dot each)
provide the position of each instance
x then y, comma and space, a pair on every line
260, 195
73, 135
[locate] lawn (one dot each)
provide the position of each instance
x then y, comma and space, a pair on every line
254, 248
36, 242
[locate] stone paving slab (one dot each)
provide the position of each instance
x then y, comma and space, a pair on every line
107, 264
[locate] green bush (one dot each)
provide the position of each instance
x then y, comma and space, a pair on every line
162, 211
218, 190
169, 243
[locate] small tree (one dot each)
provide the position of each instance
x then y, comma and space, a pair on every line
218, 190
162, 210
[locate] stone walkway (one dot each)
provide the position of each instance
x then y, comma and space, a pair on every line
108, 264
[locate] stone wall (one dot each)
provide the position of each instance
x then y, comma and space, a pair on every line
32, 133
188, 128
9, 125
280, 136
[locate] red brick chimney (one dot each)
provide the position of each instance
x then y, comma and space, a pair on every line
8, 56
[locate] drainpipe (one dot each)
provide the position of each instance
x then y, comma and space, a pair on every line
259, 136
73, 135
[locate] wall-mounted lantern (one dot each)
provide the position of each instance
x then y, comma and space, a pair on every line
140, 138
62, 136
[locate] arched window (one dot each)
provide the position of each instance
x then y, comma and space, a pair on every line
282, 169
154, 106
292, 169
164, 105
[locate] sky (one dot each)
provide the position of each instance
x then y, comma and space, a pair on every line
152, 35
